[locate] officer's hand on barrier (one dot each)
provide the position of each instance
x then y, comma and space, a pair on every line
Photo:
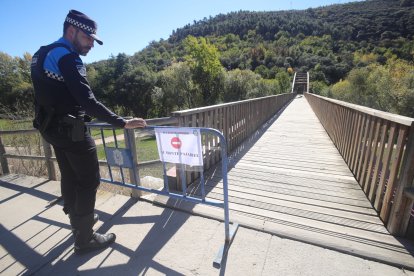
135, 123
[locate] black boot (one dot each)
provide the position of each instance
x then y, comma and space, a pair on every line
85, 239
95, 220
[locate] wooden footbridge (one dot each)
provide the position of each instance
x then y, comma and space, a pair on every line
308, 168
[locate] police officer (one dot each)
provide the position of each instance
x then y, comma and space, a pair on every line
63, 102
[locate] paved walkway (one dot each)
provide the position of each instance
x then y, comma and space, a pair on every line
151, 240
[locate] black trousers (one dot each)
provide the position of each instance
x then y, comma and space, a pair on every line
79, 168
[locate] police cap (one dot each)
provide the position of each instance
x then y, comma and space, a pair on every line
83, 22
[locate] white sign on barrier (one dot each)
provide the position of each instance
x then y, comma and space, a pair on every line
179, 146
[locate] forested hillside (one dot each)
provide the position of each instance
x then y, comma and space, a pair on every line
357, 21
348, 49
331, 39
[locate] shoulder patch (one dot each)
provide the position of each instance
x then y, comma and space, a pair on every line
81, 70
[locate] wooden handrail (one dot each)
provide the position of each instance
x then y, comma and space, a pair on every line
370, 111
225, 105
379, 150
18, 131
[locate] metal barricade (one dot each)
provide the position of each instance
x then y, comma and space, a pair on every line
125, 158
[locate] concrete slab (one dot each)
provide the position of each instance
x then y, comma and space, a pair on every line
151, 240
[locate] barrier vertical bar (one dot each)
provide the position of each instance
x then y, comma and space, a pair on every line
203, 191
104, 144
229, 233
183, 180
225, 194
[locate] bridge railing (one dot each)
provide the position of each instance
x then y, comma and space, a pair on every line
379, 150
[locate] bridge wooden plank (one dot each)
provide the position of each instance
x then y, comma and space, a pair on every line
307, 162
298, 196
337, 226
266, 183
307, 168
290, 153
321, 182
302, 206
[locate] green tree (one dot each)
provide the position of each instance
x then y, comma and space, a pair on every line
238, 84
283, 82
341, 91
102, 80
206, 68
358, 78
174, 90
318, 87
16, 90
9, 78
263, 87
388, 87
402, 76
133, 91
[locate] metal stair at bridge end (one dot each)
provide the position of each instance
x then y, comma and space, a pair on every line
300, 84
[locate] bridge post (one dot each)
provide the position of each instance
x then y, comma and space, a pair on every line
3, 160
48, 158
130, 144
400, 212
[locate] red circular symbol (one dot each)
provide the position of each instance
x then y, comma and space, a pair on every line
176, 142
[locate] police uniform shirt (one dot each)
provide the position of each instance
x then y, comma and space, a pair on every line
63, 65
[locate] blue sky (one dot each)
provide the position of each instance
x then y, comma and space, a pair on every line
125, 26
